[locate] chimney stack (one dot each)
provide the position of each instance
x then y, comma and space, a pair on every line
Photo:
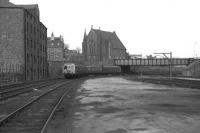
52, 36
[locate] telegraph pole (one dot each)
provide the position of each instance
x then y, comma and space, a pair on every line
170, 62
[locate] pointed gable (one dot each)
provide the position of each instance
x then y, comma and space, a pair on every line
6, 3
117, 42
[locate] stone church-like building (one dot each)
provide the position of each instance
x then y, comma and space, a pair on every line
101, 47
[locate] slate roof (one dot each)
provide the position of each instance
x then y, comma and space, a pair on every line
32, 6
111, 36
6, 3
55, 42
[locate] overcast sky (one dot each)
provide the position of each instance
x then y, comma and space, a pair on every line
143, 26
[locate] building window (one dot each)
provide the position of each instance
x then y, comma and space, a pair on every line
34, 72
34, 31
27, 73
34, 59
27, 58
31, 44
27, 27
31, 28
35, 45
27, 43
31, 59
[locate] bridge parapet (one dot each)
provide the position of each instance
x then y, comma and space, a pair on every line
153, 62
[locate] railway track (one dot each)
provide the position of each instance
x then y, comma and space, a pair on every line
173, 82
20, 84
34, 116
11, 92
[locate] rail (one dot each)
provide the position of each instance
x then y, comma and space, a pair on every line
8, 93
56, 92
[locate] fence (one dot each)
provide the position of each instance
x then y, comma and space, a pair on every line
10, 72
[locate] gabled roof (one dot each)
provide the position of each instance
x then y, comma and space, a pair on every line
55, 42
111, 36
6, 3
116, 41
103, 34
32, 6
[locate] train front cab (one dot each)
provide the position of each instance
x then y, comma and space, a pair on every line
69, 70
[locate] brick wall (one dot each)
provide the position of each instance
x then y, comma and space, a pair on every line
23, 43
55, 54
11, 39
36, 47
118, 53
192, 70
55, 68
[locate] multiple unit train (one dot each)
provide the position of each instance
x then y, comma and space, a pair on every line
71, 70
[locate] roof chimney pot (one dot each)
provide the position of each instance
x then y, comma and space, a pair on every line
52, 36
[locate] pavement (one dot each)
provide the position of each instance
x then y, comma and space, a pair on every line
119, 105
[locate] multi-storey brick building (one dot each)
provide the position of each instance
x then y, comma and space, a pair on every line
55, 48
55, 51
23, 40
101, 47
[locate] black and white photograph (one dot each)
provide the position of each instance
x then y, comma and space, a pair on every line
100, 66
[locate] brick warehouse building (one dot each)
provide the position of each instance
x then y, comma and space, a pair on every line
101, 47
23, 41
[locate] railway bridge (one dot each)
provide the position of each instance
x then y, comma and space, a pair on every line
126, 63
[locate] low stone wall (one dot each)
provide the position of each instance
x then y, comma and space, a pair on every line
10, 77
156, 70
192, 70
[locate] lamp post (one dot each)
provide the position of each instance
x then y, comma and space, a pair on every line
170, 62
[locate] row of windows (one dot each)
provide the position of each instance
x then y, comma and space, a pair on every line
30, 17
92, 49
33, 21
43, 37
32, 44
35, 59
31, 73
32, 30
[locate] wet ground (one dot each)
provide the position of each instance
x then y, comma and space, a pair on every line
118, 105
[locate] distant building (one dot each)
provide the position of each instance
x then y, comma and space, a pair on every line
135, 56
101, 47
151, 57
55, 48
73, 56
70, 53
23, 41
